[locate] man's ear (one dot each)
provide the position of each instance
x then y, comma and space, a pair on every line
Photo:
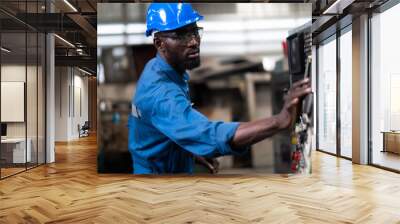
158, 43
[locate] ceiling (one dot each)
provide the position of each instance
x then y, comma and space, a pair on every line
330, 15
74, 22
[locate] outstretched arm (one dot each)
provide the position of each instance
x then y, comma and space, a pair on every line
252, 132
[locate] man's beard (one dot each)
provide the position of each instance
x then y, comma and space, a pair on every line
192, 63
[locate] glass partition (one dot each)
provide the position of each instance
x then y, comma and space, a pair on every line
41, 91
326, 136
385, 89
31, 98
346, 93
14, 154
22, 78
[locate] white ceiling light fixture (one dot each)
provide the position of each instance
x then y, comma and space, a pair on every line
84, 71
116, 40
79, 51
5, 50
70, 5
134, 28
113, 29
65, 41
337, 7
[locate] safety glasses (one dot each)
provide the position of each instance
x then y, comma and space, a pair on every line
184, 35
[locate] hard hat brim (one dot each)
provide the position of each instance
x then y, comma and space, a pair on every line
187, 22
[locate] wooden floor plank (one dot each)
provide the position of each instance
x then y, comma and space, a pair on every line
71, 191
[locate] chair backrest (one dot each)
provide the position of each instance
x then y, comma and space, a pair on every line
86, 125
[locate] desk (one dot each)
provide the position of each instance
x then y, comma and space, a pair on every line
391, 141
16, 147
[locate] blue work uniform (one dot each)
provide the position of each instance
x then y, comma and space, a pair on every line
165, 131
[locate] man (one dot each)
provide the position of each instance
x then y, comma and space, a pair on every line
165, 132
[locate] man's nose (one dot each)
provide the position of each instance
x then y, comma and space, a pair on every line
194, 40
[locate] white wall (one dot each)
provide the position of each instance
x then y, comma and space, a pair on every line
13, 73
71, 93
80, 96
12, 101
61, 103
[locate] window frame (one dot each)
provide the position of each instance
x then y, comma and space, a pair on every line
333, 33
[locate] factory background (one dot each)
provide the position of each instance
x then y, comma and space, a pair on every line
242, 75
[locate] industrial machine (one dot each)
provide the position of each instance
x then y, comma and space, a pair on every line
299, 52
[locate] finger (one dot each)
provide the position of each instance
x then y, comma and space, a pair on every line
295, 89
301, 82
299, 88
301, 92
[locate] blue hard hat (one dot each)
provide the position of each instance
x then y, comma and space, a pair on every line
170, 16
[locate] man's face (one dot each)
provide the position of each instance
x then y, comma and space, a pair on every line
182, 46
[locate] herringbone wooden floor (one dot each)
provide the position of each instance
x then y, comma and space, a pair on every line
71, 191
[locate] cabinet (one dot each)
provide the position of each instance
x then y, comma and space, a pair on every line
13, 150
391, 142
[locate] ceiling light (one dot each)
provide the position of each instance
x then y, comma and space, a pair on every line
112, 29
337, 7
84, 71
135, 28
70, 5
5, 50
64, 40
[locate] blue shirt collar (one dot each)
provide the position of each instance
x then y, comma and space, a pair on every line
172, 74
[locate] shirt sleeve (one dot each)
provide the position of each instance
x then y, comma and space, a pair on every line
173, 115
